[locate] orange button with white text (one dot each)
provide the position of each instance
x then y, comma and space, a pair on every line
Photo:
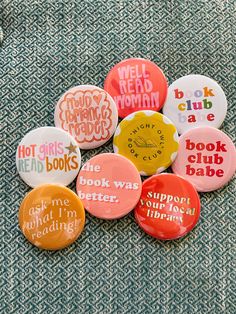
51, 217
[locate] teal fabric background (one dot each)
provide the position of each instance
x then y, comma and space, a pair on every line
113, 268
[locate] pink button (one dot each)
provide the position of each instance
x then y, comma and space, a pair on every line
206, 157
109, 186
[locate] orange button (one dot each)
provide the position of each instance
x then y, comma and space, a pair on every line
51, 217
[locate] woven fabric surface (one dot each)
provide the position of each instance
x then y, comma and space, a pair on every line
114, 267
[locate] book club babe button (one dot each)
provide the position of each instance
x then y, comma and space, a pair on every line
51, 217
169, 207
206, 157
88, 113
195, 100
148, 139
136, 84
109, 186
48, 155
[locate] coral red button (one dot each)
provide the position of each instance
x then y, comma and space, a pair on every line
51, 217
109, 186
88, 113
136, 84
206, 157
169, 207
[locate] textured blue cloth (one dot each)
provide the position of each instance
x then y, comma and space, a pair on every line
113, 268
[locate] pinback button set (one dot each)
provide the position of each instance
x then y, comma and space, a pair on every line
145, 142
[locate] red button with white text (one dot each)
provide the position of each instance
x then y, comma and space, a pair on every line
169, 207
136, 84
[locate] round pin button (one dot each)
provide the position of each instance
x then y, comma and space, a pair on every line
48, 155
169, 207
88, 113
136, 84
195, 100
148, 139
109, 186
51, 217
206, 157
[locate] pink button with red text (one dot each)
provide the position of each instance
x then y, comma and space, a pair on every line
206, 157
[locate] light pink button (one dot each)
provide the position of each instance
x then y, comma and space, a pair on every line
88, 113
109, 186
206, 157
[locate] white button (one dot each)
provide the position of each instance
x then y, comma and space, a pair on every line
48, 155
195, 100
